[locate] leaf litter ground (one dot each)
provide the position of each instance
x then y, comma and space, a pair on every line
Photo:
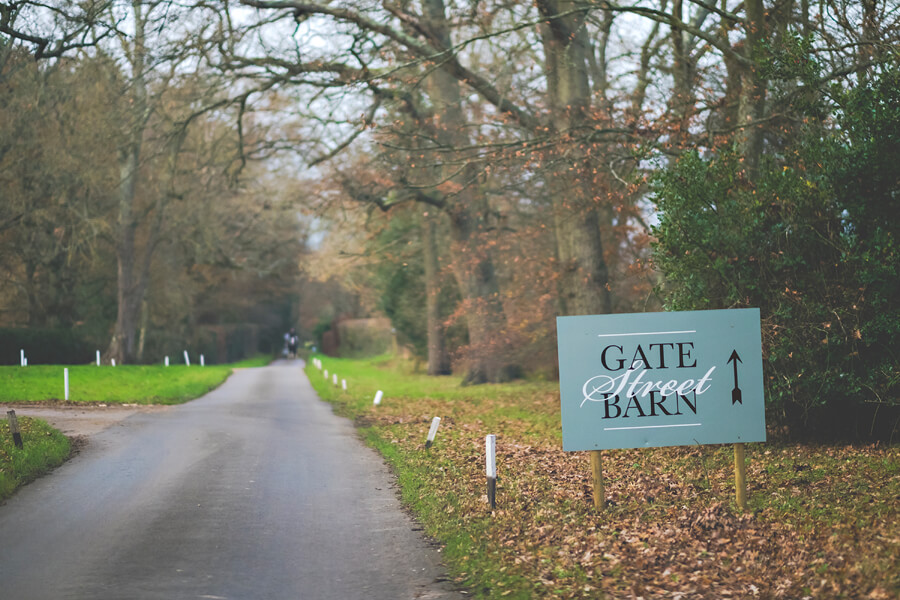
823, 521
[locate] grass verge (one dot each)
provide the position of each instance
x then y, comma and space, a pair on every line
824, 521
126, 384
43, 448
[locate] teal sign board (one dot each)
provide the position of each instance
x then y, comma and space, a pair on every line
661, 379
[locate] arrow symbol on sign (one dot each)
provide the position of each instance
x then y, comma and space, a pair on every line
736, 392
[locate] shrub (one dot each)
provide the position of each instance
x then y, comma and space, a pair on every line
812, 242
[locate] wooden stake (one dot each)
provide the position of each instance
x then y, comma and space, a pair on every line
740, 477
597, 472
14, 428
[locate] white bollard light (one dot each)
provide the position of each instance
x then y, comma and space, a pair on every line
378, 396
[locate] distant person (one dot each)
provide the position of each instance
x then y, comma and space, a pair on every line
291, 337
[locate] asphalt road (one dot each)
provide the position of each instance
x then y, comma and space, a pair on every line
254, 491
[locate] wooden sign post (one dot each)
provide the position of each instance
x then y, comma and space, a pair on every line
597, 475
740, 477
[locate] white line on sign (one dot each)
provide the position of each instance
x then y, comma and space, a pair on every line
653, 426
646, 333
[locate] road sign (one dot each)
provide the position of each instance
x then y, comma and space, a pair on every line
661, 379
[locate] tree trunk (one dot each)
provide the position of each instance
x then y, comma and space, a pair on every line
474, 270
130, 285
682, 101
584, 277
129, 292
752, 101
438, 357
467, 209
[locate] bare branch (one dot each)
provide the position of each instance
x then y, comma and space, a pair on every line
79, 29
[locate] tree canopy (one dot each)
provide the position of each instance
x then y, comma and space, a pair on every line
470, 169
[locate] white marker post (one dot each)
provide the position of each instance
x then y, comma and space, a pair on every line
98, 358
66, 382
344, 384
202, 361
187, 359
21, 358
167, 361
490, 443
378, 396
334, 379
113, 361
432, 432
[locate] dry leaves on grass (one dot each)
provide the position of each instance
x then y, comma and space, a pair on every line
671, 530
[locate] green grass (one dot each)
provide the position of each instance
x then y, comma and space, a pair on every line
533, 403
824, 521
127, 384
42, 449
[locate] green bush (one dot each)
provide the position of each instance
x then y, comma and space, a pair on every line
812, 242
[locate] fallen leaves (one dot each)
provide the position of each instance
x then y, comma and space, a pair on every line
824, 521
